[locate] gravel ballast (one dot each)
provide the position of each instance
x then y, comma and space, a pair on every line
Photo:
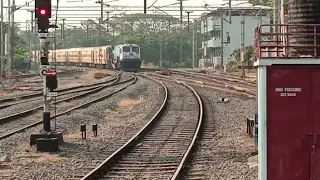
223, 151
118, 119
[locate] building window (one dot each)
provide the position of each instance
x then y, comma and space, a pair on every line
216, 34
217, 51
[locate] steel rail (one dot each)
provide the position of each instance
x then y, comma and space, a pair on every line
188, 152
78, 89
220, 80
227, 77
97, 171
29, 111
217, 87
133, 79
31, 95
94, 174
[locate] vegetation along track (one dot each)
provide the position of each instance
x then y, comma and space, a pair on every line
9, 101
160, 149
12, 127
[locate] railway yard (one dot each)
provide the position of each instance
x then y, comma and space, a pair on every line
184, 125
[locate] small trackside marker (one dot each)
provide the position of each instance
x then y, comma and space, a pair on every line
199, 82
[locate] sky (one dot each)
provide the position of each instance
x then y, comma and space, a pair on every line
78, 8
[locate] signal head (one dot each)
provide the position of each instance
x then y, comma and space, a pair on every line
43, 12
43, 8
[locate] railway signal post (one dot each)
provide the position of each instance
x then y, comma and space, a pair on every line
47, 140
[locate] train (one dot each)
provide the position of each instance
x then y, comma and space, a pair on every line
126, 57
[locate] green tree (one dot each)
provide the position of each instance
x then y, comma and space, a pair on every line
248, 52
149, 32
20, 47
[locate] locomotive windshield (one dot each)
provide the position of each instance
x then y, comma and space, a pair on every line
135, 49
126, 49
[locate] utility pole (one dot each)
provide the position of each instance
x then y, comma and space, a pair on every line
2, 42
108, 12
101, 18
282, 21
33, 40
161, 52
274, 14
242, 45
13, 9
205, 30
222, 41
62, 32
222, 32
8, 69
32, 30
181, 26
196, 39
194, 26
188, 12
29, 30
61, 25
87, 30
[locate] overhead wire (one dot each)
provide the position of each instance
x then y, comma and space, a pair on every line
152, 4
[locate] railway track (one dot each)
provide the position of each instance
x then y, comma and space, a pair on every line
77, 94
216, 81
215, 86
9, 127
220, 78
161, 148
196, 169
7, 102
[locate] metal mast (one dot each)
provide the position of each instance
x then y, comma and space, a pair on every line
2, 42
13, 10
101, 18
194, 26
181, 24
8, 48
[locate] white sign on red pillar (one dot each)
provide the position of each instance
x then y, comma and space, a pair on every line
51, 73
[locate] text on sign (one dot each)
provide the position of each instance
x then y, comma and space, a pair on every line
288, 92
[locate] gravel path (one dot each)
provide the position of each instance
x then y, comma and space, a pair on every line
118, 118
225, 147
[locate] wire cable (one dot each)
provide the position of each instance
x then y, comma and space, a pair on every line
152, 4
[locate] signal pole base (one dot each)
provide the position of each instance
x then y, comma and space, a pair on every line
48, 144
48, 135
46, 122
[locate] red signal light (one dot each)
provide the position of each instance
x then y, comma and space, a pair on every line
42, 12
